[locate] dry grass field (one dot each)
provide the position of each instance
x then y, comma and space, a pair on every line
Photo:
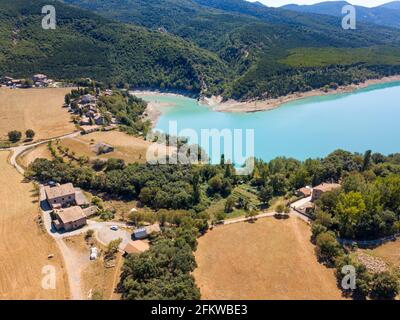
37, 109
41, 151
128, 148
268, 259
24, 247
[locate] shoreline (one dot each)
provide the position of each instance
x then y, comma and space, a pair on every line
233, 106
154, 109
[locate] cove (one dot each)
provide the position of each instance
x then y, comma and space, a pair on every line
309, 128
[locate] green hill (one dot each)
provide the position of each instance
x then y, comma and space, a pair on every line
260, 44
240, 49
87, 45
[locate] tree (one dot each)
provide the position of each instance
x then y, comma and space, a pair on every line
265, 194
112, 249
384, 286
366, 160
229, 204
327, 247
280, 208
30, 134
96, 201
349, 209
251, 214
14, 136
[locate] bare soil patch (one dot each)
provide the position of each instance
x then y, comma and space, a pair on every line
24, 246
268, 259
37, 109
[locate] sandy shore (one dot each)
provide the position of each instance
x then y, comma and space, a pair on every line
264, 105
154, 109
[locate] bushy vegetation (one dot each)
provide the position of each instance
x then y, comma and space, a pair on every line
163, 272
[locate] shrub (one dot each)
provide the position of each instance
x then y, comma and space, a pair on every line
327, 247
14, 136
384, 286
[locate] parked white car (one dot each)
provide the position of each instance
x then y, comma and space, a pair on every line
114, 228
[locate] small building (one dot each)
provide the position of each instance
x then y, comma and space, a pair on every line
39, 78
102, 148
80, 199
60, 195
70, 219
85, 121
6, 80
318, 191
100, 120
88, 98
143, 233
140, 233
91, 211
304, 192
90, 129
137, 246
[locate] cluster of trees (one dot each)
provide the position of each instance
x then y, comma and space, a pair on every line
156, 186
363, 209
128, 110
164, 271
15, 136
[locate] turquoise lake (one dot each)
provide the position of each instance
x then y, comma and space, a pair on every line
309, 128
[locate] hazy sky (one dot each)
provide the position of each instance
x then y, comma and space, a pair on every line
278, 3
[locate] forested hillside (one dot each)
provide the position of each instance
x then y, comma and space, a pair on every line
259, 43
238, 49
385, 15
86, 45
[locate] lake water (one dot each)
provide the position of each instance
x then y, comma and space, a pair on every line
312, 127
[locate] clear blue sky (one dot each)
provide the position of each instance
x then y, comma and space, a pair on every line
278, 3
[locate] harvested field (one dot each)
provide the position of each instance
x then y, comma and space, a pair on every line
24, 246
128, 148
268, 259
37, 109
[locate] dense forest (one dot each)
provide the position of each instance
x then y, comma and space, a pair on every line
233, 48
272, 52
85, 45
